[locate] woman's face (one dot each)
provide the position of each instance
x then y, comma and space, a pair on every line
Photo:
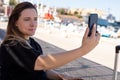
27, 22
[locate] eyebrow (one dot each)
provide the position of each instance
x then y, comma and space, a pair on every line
30, 17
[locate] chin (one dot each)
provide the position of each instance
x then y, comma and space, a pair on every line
30, 34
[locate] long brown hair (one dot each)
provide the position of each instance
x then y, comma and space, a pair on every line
12, 30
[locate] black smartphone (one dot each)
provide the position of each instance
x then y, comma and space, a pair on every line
92, 19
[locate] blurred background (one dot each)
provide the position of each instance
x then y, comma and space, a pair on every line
72, 13
62, 23
67, 19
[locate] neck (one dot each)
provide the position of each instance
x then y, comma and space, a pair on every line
27, 37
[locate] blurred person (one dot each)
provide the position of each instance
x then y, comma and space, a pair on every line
22, 57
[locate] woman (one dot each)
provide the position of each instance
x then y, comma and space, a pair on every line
22, 57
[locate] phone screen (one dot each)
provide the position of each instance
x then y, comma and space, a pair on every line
93, 19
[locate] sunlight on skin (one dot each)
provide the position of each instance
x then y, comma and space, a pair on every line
49, 63
52, 58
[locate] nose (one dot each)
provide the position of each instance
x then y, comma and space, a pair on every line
33, 23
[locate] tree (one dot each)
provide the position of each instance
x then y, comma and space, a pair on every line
13, 2
62, 11
75, 13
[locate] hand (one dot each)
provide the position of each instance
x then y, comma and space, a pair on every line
66, 77
90, 42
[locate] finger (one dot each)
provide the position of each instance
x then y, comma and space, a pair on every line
86, 32
98, 35
94, 30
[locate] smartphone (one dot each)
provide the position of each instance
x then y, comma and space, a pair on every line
92, 19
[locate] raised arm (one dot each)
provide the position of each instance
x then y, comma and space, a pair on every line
51, 61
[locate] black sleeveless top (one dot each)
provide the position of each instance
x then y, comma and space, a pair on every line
18, 62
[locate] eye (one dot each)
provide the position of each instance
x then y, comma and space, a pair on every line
35, 18
26, 19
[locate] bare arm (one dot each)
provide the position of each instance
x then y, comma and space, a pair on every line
51, 61
53, 75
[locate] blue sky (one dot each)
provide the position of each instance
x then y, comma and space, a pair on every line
107, 5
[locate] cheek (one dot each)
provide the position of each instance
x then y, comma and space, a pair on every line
22, 27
